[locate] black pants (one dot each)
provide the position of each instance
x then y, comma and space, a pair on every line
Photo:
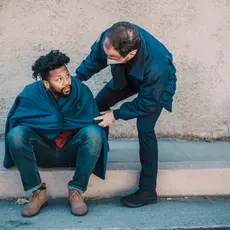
107, 98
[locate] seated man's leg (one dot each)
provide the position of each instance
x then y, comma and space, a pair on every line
88, 142
20, 141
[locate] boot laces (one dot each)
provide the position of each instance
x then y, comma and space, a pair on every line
36, 193
76, 196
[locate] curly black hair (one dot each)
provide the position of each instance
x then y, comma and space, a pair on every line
53, 60
124, 37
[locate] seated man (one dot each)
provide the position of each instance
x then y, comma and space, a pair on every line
51, 125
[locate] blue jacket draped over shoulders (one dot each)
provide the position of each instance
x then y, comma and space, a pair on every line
36, 108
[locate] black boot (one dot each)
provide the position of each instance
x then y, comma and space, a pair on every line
140, 198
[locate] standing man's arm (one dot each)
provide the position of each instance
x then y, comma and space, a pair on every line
94, 62
157, 83
145, 103
148, 100
158, 86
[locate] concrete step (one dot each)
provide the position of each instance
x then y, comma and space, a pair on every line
185, 169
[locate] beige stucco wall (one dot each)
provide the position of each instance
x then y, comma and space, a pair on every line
195, 31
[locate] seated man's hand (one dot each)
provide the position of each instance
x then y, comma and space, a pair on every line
107, 118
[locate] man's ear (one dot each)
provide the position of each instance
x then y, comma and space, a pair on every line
133, 53
46, 84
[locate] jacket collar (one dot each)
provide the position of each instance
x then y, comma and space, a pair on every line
137, 64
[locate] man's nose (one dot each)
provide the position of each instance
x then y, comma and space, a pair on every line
66, 82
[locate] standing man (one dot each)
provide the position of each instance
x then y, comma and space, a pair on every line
140, 65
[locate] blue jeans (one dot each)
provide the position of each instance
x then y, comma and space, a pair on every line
29, 150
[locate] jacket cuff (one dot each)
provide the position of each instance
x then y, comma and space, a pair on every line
116, 114
80, 77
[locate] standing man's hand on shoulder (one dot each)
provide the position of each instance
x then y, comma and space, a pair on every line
107, 118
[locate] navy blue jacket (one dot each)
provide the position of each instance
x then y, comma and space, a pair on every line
151, 71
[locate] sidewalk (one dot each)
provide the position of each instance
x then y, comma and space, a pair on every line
178, 213
185, 169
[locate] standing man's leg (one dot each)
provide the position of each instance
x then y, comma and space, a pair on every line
108, 97
149, 162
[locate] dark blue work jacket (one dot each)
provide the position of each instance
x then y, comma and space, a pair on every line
151, 71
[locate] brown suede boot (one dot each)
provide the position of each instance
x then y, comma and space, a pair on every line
78, 206
38, 199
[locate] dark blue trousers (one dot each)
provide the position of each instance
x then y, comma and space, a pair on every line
107, 98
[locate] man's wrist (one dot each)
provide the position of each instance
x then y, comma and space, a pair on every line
116, 114
80, 77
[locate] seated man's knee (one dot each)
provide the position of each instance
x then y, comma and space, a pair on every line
93, 136
16, 136
94, 133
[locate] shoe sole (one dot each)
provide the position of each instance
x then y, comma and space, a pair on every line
43, 206
130, 205
79, 214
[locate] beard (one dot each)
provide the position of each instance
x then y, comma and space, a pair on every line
62, 93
